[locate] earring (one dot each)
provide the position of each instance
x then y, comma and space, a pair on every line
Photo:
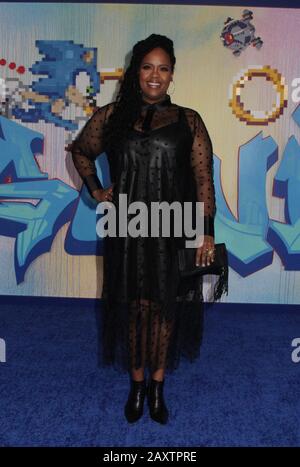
172, 92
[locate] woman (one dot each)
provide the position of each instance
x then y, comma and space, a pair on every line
157, 151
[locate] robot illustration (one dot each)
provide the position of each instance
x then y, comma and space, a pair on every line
238, 34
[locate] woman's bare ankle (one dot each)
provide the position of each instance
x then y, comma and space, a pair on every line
138, 375
158, 375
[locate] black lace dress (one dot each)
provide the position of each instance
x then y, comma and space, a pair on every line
151, 318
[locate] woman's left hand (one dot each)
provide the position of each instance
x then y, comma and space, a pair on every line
205, 252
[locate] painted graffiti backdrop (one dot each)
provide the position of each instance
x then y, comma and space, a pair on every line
237, 67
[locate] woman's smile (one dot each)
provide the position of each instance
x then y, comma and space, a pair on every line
154, 85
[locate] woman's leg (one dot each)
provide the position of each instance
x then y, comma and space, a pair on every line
161, 330
149, 338
138, 353
146, 323
160, 341
138, 329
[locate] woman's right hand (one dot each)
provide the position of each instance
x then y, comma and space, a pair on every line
103, 195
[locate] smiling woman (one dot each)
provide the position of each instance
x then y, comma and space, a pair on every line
155, 75
159, 152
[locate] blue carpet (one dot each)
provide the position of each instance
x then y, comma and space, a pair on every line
242, 391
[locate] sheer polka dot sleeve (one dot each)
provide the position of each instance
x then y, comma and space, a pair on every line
88, 145
202, 166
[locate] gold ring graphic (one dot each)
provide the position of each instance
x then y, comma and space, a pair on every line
259, 117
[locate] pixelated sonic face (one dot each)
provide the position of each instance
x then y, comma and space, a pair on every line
155, 75
82, 94
82, 83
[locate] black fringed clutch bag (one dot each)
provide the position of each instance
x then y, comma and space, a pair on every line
219, 267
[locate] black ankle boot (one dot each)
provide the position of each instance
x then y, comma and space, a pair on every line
135, 403
157, 407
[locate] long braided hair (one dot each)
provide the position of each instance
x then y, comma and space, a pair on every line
129, 98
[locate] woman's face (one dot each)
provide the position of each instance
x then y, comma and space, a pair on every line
155, 74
